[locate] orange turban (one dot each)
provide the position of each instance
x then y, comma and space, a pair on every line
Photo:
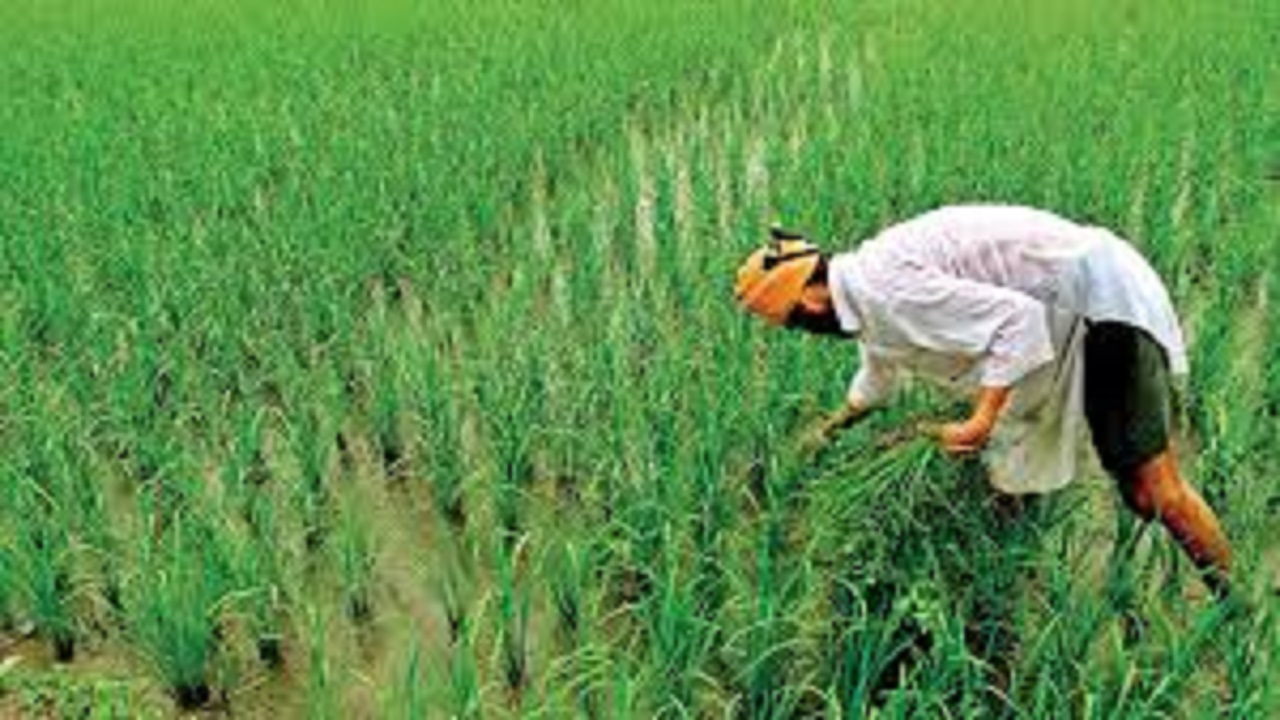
770, 282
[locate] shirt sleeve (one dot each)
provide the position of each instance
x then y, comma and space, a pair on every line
1005, 331
873, 382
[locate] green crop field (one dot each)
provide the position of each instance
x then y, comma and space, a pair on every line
380, 359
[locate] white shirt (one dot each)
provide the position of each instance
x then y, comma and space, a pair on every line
993, 295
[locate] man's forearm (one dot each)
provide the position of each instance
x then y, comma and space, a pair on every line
840, 419
988, 405
847, 415
829, 425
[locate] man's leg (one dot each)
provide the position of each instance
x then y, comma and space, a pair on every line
1157, 491
1129, 411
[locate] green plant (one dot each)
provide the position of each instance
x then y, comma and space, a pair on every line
174, 603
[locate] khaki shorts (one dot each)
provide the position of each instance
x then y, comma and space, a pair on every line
1127, 396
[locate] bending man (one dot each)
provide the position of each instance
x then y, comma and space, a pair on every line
1045, 323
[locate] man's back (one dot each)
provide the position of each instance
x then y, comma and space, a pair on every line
1015, 247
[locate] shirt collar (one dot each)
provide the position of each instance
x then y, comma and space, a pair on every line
841, 280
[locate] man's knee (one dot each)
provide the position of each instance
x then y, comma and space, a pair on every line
1138, 496
1152, 488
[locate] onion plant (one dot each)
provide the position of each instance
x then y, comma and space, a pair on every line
355, 558
175, 600
40, 556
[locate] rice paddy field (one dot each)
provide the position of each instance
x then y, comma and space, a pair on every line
379, 360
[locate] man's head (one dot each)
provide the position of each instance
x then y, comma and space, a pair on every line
785, 282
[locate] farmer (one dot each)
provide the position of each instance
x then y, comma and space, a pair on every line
1044, 323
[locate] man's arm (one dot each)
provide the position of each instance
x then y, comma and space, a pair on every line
869, 389
1004, 329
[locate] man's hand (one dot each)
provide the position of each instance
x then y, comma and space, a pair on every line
970, 436
826, 428
964, 438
